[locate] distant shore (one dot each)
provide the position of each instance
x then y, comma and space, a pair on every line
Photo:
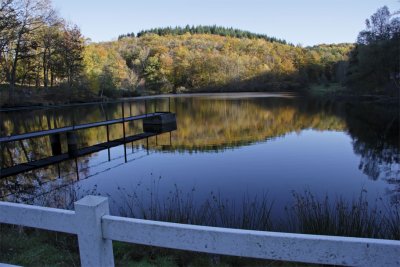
40, 98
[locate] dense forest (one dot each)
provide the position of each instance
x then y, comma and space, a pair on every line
38, 49
374, 61
217, 30
189, 62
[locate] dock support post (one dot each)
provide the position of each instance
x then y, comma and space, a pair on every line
125, 156
93, 248
175, 109
108, 140
108, 137
54, 119
77, 169
123, 120
72, 142
73, 119
55, 142
123, 130
133, 126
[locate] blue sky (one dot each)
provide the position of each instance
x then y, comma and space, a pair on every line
305, 22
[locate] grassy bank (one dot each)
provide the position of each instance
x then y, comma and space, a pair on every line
339, 92
30, 247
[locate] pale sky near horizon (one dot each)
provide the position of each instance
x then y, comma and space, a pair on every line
305, 22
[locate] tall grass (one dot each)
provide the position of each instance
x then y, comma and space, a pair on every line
252, 213
391, 222
307, 213
335, 217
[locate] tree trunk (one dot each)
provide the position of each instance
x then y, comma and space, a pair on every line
14, 66
13, 74
37, 80
51, 79
45, 71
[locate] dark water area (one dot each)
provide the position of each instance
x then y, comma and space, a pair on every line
233, 150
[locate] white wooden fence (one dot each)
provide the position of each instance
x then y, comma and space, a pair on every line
96, 229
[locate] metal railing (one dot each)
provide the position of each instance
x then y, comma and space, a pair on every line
96, 229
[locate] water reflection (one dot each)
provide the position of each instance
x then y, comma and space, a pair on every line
222, 143
376, 139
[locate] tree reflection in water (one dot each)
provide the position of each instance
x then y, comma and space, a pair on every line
207, 124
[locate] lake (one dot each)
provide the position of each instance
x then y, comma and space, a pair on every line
232, 154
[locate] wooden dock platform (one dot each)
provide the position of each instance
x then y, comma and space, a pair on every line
153, 124
13, 138
29, 166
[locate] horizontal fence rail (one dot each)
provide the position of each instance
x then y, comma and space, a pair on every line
38, 217
96, 229
254, 244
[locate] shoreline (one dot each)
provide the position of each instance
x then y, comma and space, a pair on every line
221, 95
375, 99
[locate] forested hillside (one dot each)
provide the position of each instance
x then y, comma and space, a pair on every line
217, 30
38, 49
191, 62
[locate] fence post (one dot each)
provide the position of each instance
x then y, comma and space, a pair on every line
94, 250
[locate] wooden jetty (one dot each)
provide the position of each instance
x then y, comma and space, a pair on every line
37, 164
153, 124
17, 137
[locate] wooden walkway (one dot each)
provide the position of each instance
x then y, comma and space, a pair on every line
29, 166
18, 137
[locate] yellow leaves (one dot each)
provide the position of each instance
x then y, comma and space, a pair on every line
100, 58
265, 67
166, 62
204, 60
315, 56
159, 49
181, 52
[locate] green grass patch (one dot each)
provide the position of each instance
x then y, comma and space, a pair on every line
308, 214
32, 247
29, 247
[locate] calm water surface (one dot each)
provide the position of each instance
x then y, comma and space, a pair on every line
226, 146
